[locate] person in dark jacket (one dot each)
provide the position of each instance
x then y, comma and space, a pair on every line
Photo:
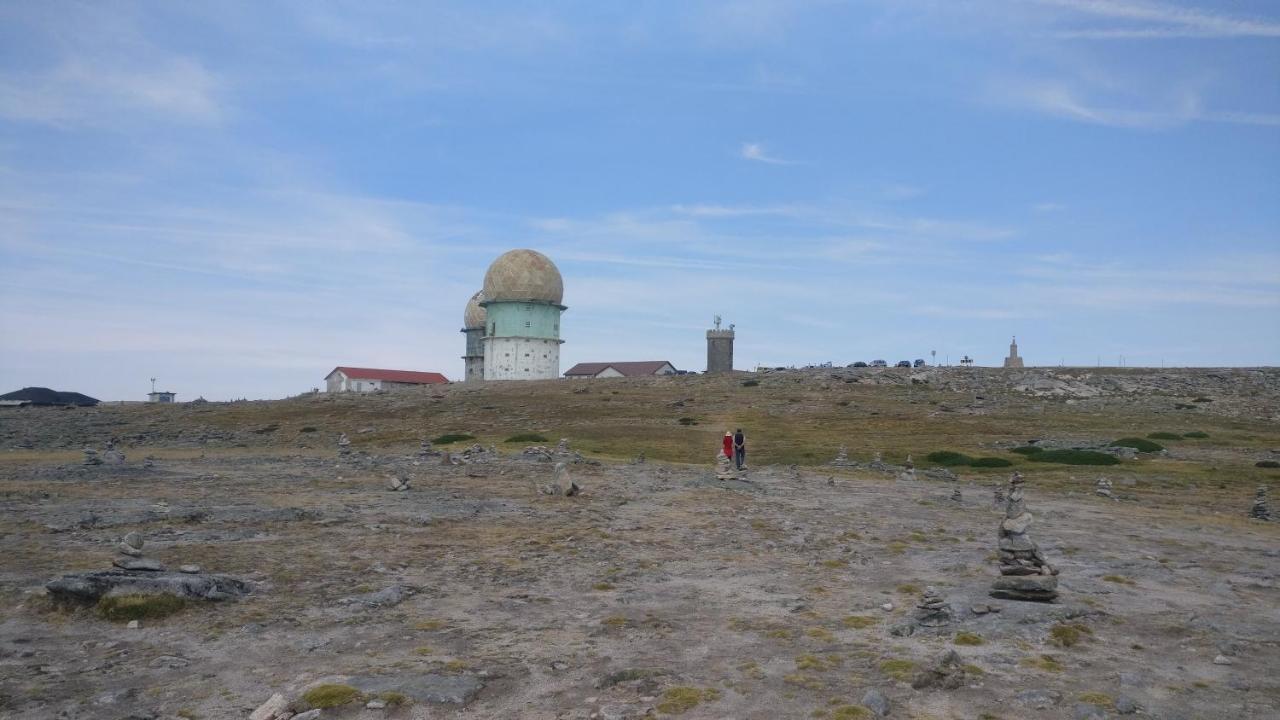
739, 449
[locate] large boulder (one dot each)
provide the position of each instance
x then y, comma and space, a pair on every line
90, 587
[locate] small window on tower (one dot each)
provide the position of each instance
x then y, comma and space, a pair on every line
526, 323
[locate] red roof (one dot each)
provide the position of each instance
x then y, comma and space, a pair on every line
400, 376
627, 369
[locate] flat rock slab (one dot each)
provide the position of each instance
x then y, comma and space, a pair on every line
91, 586
431, 688
1035, 588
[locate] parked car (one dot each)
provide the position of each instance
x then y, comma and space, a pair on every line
903, 363
919, 362
879, 363
858, 364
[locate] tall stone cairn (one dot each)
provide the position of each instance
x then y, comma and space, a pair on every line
842, 457
344, 445
1260, 509
724, 467
1025, 574
1103, 488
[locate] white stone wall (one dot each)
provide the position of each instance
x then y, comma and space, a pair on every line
339, 382
516, 358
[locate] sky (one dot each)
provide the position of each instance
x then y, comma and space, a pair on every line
235, 197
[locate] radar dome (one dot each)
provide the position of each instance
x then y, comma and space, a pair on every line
473, 317
523, 275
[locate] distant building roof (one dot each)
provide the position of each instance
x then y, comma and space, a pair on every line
626, 369
400, 376
45, 396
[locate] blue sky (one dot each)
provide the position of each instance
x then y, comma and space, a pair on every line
236, 197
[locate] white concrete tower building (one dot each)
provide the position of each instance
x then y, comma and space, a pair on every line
522, 295
473, 327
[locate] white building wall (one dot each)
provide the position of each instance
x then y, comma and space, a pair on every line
515, 358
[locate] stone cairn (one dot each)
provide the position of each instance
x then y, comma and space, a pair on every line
561, 483
426, 450
640, 460
112, 456
398, 483
91, 457
1024, 572
724, 467
877, 462
344, 445
908, 470
1260, 509
842, 458
998, 496
1103, 488
130, 549
933, 610
956, 497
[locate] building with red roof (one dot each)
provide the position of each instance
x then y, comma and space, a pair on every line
354, 379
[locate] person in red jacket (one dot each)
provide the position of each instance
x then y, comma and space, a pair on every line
728, 444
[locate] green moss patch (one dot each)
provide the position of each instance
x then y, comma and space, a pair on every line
527, 438
1027, 450
1196, 435
1068, 635
967, 638
1139, 444
898, 669
679, 700
990, 462
1075, 457
948, 458
452, 438
123, 608
330, 695
1163, 436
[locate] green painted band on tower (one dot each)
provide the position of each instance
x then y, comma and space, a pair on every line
523, 319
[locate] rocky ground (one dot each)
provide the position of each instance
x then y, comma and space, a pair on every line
657, 591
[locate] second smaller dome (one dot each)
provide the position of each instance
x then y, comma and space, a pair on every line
474, 316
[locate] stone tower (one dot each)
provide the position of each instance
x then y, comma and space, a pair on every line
522, 295
1013, 361
719, 349
473, 327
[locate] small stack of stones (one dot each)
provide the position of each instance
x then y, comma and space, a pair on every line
909, 470
112, 456
1103, 488
562, 448
344, 445
91, 457
398, 483
1260, 509
639, 459
130, 548
425, 450
842, 457
1024, 572
724, 468
933, 610
998, 496
877, 462
955, 495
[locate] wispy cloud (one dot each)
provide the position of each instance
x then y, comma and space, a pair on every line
80, 92
1159, 20
1186, 106
1048, 207
756, 152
